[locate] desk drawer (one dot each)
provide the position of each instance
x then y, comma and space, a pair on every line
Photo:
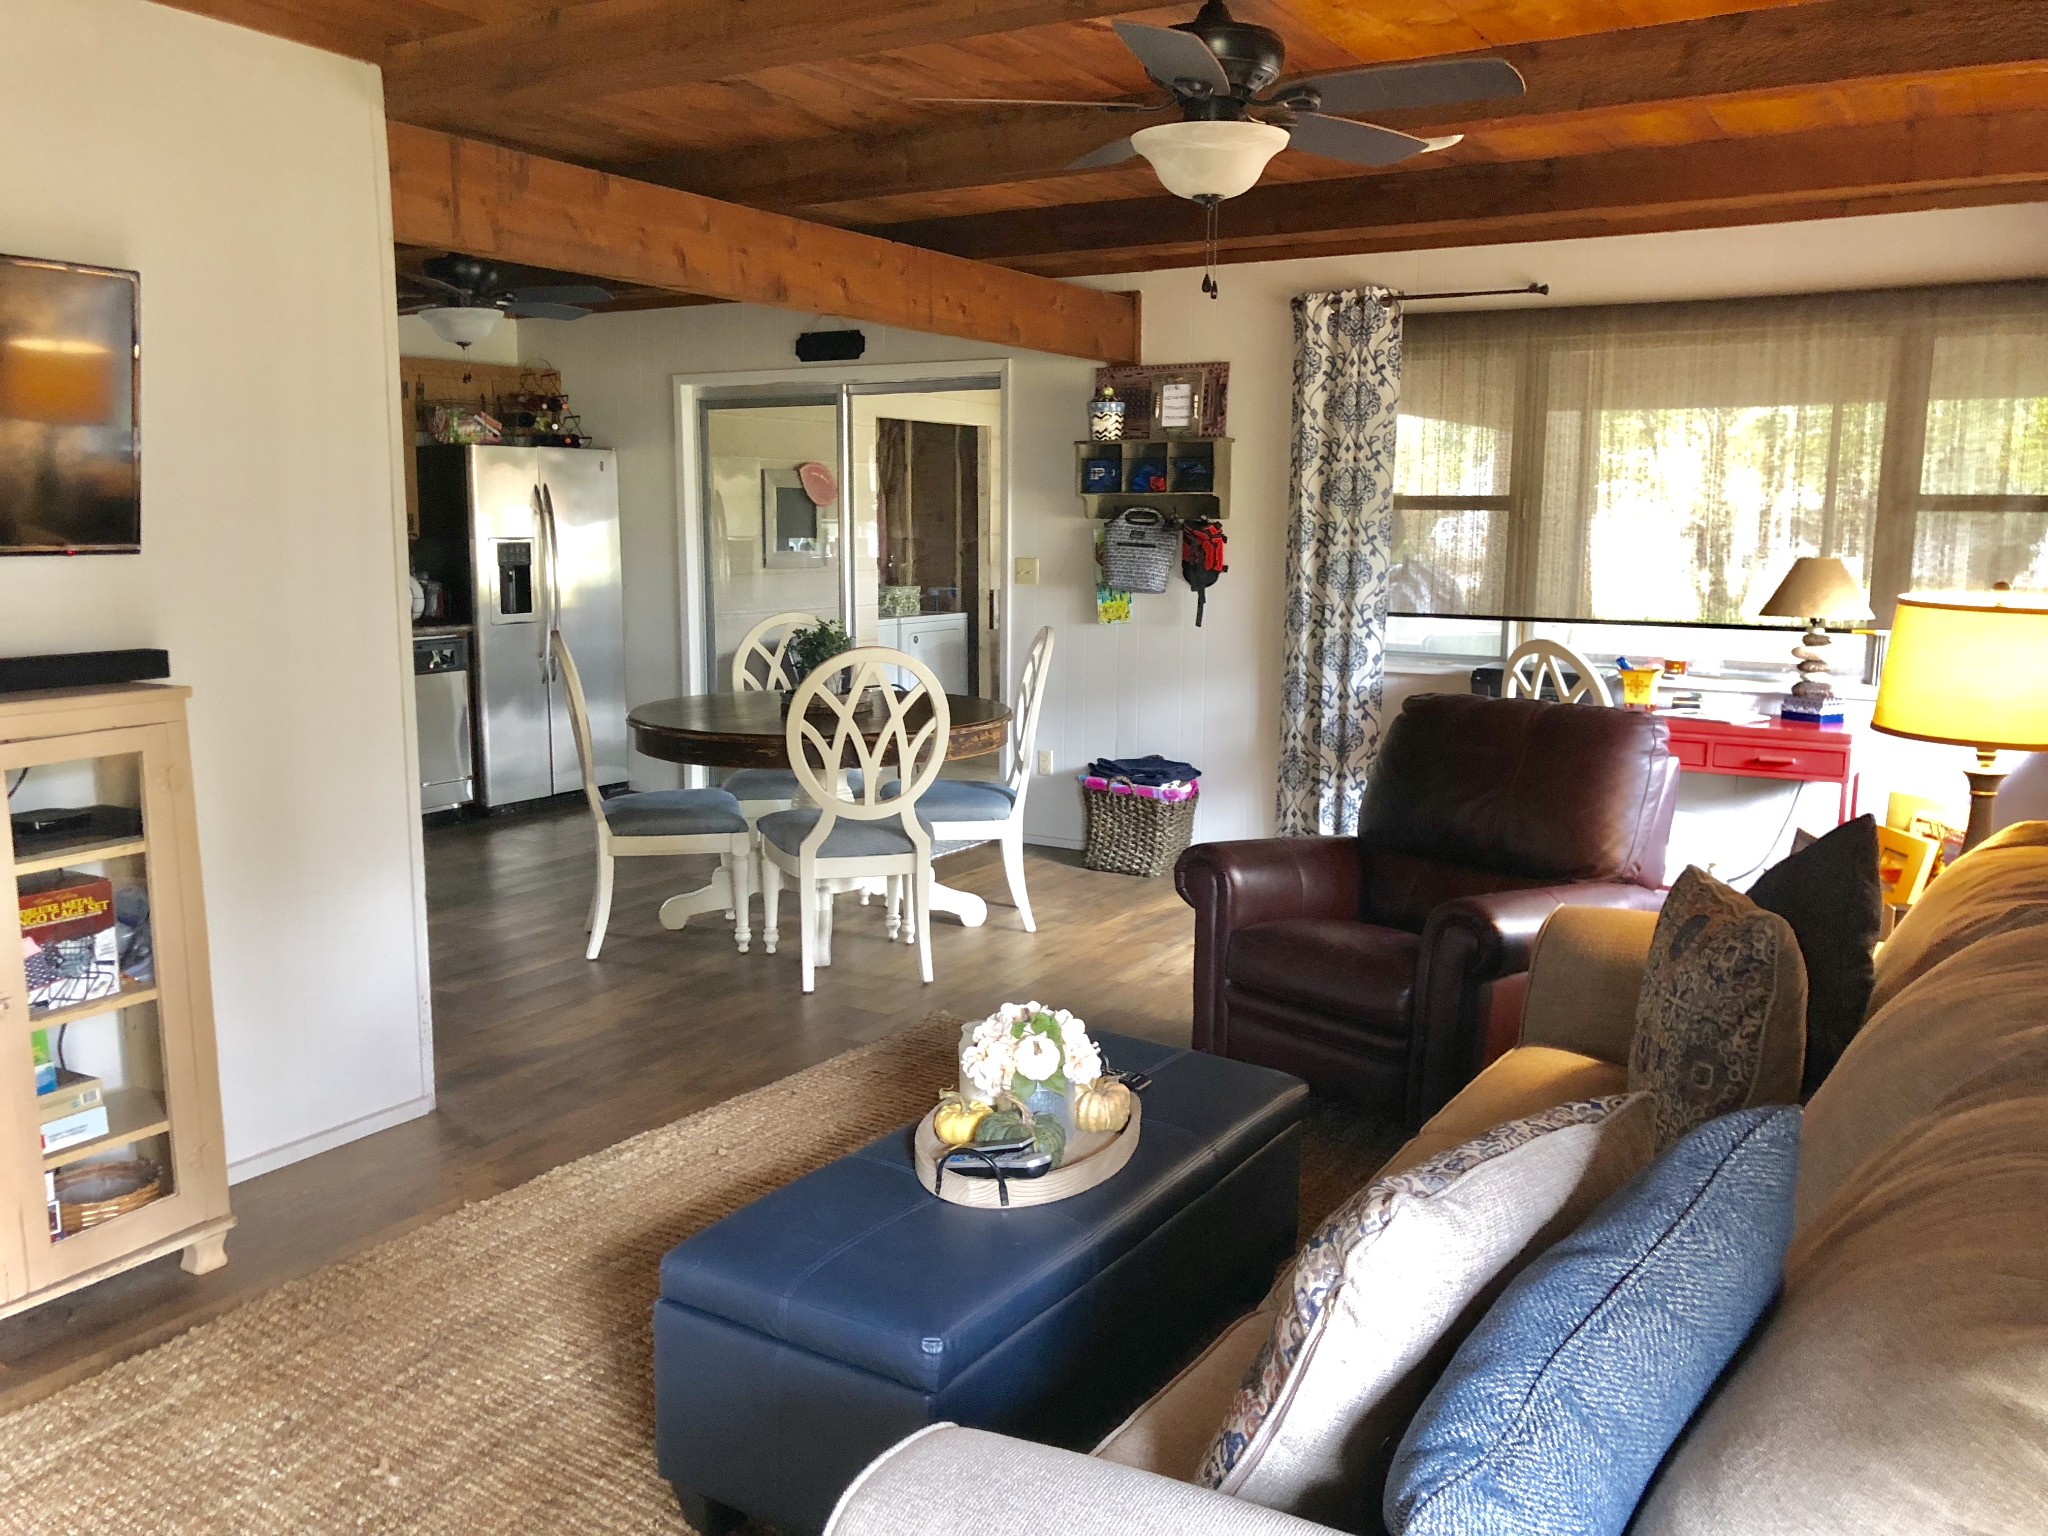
1770, 760
1690, 753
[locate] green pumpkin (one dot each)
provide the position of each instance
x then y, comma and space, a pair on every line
1049, 1137
1003, 1125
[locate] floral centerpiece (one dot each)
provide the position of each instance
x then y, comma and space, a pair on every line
1030, 1070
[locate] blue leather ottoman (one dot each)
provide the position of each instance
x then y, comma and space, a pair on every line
803, 1335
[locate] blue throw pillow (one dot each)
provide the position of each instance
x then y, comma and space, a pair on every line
1558, 1407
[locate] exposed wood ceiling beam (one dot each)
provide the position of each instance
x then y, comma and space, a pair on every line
459, 195
297, 23
609, 47
1812, 46
2000, 158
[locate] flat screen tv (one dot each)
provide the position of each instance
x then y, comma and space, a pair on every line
70, 454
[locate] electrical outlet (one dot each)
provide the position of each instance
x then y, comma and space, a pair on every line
1044, 755
1027, 570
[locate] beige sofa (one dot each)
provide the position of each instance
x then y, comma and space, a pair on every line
1901, 1384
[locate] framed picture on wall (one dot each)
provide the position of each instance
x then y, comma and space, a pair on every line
791, 538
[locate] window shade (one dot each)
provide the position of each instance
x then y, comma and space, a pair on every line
1669, 462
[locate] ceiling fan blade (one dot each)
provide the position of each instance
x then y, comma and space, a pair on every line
1109, 154
1033, 101
1174, 58
564, 293
522, 311
1431, 83
421, 280
1359, 143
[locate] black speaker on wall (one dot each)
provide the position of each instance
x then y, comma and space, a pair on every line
82, 669
830, 346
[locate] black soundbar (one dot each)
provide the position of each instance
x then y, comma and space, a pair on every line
82, 669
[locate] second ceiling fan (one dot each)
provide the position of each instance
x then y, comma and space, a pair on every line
1220, 76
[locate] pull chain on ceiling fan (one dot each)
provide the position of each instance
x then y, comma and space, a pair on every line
1217, 72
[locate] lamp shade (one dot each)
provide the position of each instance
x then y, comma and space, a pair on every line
1209, 159
1817, 587
1968, 668
460, 325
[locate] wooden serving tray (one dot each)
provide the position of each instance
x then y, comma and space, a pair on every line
1092, 1156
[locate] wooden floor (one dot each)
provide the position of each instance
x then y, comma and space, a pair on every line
543, 1056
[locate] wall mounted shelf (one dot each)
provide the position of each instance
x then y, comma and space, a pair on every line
1193, 474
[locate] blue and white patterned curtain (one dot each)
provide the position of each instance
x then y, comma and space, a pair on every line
1347, 392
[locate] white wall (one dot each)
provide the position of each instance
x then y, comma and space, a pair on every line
243, 177
1158, 684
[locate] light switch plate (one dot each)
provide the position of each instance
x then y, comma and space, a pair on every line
1044, 759
1027, 570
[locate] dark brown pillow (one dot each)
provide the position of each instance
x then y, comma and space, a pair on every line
1721, 1017
1830, 894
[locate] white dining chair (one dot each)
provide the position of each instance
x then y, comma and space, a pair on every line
1535, 662
961, 813
758, 666
656, 823
854, 832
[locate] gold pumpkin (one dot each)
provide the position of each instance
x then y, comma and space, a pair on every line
956, 1119
1104, 1105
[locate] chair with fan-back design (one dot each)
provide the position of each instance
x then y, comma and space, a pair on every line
756, 666
862, 824
962, 813
660, 823
1537, 662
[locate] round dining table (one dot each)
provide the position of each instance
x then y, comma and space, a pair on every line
750, 730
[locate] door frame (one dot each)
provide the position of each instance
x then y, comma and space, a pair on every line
694, 390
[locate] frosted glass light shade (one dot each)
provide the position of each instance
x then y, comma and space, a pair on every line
460, 326
1967, 668
1211, 159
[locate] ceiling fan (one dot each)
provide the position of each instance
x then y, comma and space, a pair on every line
1219, 74
462, 298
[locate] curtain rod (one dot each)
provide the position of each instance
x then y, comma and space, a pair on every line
1392, 297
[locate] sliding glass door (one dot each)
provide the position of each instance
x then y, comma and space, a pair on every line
876, 504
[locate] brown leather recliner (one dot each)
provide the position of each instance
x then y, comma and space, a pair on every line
1373, 966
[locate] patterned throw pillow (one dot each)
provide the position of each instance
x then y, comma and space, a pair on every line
1556, 1411
1382, 1293
1721, 1018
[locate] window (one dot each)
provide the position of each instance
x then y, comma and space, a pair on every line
1666, 463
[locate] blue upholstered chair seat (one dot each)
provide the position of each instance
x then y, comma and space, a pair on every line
963, 800
761, 784
674, 813
847, 840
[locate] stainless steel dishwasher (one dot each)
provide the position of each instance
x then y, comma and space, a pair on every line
440, 680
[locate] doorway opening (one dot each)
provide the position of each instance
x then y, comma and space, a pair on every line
877, 503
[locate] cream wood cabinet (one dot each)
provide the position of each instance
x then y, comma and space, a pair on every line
146, 1049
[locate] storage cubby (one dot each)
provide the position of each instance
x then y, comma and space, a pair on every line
111, 1151
1182, 476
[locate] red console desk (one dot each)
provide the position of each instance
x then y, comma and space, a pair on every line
1767, 748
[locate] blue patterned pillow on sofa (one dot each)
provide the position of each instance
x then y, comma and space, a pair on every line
1557, 1409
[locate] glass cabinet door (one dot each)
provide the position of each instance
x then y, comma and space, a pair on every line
102, 1093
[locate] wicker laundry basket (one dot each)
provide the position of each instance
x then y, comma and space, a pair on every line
1132, 834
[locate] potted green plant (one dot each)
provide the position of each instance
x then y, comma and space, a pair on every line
810, 648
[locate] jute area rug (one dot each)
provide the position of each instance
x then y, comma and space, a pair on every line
488, 1372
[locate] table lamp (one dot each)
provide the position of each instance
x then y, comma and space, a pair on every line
1966, 669
1816, 589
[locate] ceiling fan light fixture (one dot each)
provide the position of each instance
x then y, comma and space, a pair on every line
1209, 159
460, 325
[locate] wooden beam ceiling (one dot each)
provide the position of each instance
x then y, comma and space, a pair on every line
1819, 45
1940, 162
609, 47
456, 194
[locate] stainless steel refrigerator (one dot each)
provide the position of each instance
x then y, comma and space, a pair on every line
544, 553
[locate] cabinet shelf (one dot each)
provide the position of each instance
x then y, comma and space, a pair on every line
1195, 471
113, 1002
133, 1114
92, 852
